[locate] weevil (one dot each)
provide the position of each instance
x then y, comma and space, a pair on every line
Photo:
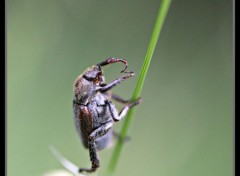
94, 112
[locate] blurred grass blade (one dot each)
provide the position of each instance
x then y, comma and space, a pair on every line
60, 172
66, 163
164, 6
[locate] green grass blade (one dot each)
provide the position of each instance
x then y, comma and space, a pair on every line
164, 6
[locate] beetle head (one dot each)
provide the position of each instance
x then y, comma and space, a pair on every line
87, 84
94, 74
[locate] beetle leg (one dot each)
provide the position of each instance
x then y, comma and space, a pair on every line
113, 60
118, 136
114, 83
115, 97
102, 130
118, 116
119, 99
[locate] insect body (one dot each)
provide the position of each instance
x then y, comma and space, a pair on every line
94, 113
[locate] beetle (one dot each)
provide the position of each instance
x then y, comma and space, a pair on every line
94, 112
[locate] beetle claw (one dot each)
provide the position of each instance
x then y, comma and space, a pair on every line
129, 72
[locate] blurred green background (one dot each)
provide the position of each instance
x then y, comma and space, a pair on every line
184, 127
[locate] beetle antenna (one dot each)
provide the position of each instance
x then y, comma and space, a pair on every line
114, 60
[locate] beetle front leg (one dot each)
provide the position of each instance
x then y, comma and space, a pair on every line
114, 83
102, 130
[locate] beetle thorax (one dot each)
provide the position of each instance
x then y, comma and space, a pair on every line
84, 90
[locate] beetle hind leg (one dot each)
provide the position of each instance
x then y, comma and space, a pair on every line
118, 136
94, 159
102, 130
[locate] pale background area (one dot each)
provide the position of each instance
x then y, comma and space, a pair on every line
184, 127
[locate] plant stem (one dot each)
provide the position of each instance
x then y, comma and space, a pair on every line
164, 6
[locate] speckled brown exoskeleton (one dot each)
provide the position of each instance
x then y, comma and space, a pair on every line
94, 113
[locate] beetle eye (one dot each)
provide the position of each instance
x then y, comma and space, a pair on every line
98, 77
